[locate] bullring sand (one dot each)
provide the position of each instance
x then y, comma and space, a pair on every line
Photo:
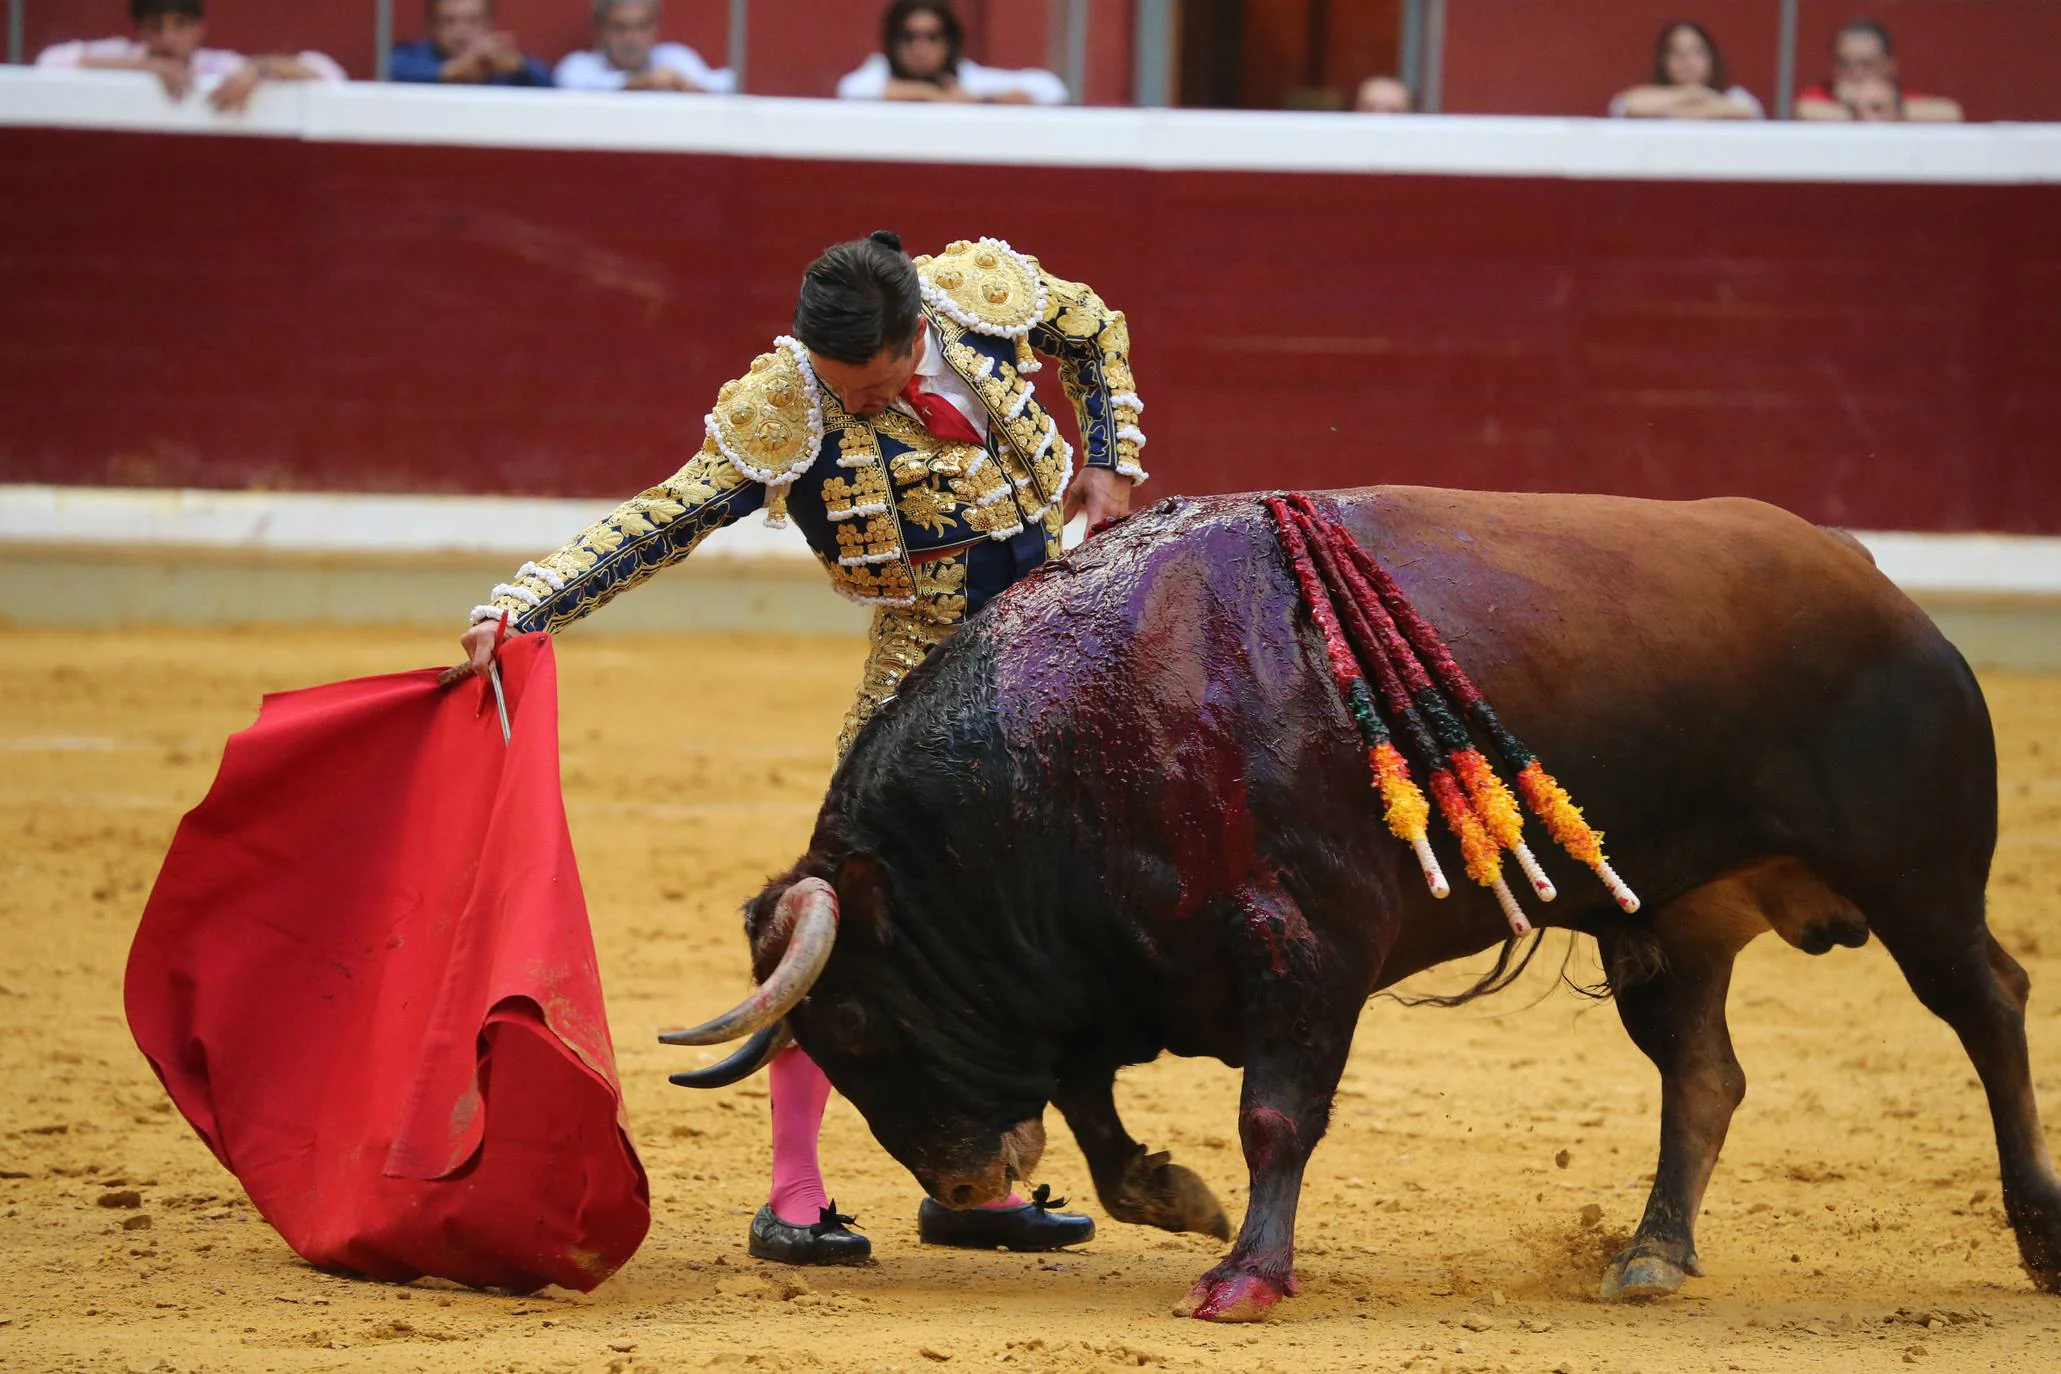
1480, 1166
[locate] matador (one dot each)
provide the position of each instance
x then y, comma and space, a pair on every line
899, 428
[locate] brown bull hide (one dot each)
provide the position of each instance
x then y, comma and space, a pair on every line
1125, 812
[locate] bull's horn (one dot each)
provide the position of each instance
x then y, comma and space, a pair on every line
755, 1055
808, 912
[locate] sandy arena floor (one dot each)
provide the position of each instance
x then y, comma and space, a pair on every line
1481, 1163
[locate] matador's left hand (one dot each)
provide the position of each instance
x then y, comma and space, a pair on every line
1098, 492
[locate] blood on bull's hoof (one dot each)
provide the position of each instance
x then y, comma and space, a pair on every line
1175, 794
1235, 1296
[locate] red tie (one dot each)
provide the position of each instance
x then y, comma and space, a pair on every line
939, 415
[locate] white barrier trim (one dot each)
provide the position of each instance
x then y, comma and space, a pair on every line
528, 527
1151, 139
332, 522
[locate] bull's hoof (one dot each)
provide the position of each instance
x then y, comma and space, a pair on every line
1638, 1274
1157, 1192
1233, 1297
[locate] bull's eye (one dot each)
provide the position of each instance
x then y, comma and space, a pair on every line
852, 1025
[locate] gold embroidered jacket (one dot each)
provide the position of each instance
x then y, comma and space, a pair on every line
870, 493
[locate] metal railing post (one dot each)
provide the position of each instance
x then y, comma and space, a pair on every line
1410, 49
1152, 54
1077, 50
14, 32
1433, 97
740, 32
1785, 63
383, 39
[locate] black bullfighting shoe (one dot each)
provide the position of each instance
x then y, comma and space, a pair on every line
823, 1241
1036, 1225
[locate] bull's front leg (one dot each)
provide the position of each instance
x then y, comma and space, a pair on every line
1145, 1189
1299, 1015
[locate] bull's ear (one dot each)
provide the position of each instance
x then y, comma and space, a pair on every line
862, 897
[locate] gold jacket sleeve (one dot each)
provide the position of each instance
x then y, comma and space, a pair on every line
651, 530
1093, 346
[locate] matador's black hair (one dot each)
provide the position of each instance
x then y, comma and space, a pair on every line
859, 298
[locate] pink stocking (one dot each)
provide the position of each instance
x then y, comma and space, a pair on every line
798, 1093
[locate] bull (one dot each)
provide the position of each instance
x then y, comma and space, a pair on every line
1124, 812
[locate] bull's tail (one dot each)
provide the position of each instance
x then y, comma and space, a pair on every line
1367, 623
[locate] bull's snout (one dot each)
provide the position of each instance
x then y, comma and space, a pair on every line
975, 1184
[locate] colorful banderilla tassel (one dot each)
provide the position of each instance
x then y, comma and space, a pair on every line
1405, 809
1310, 541
1495, 809
1478, 849
1546, 798
1551, 804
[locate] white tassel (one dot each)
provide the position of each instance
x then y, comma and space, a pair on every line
543, 575
1540, 883
1511, 912
1626, 898
1434, 876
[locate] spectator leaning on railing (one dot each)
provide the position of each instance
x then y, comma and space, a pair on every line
1863, 54
1872, 100
1688, 81
1383, 95
166, 43
627, 55
464, 47
922, 58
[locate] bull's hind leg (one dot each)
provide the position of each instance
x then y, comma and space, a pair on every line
1677, 1017
1968, 980
1300, 1004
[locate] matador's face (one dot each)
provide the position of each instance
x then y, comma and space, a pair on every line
868, 388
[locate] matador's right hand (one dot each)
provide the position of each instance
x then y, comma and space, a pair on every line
479, 644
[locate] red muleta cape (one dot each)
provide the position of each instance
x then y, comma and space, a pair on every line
365, 975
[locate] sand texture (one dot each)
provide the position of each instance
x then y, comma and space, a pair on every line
1481, 1163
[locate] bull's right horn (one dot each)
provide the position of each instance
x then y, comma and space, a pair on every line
808, 912
754, 1055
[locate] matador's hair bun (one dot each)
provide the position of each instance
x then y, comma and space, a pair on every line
887, 238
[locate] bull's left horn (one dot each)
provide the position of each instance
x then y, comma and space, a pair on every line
755, 1054
808, 912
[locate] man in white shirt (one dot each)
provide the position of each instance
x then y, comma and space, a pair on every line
167, 44
627, 56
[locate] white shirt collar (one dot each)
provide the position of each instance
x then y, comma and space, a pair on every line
932, 363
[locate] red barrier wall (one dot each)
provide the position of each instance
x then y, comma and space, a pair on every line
1997, 57
253, 312
796, 47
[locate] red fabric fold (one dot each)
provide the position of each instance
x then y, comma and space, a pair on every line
366, 977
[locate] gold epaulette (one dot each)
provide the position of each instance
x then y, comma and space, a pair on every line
988, 287
769, 422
